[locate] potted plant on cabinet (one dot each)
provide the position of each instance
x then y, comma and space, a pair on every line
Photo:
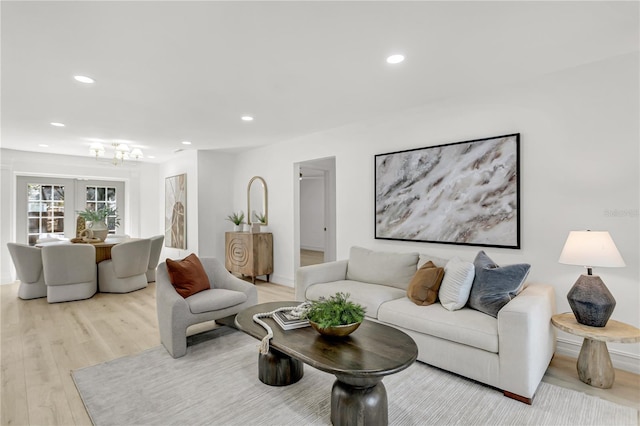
237, 219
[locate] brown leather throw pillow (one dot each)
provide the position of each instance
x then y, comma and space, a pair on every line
187, 275
424, 286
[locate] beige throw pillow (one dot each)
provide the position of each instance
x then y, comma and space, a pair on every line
424, 286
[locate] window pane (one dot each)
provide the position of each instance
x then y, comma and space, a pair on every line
101, 194
58, 192
34, 209
111, 194
34, 225
91, 193
58, 225
45, 211
46, 192
33, 191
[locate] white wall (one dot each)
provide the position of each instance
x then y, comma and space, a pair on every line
140, 188
579, 170
215, 195
312, 213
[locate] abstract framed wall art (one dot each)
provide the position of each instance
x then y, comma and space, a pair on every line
459, 193
175, 212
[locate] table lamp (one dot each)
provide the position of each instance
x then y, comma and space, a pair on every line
591, 301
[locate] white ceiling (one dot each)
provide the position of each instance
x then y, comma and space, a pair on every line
173, 71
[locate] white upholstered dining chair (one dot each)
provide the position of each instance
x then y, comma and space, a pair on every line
69, 272
127, 268
154, 257
28, 263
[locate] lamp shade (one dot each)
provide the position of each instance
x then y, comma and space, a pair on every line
591, 248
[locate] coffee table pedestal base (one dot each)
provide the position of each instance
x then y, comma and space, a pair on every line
278, 369
359, 401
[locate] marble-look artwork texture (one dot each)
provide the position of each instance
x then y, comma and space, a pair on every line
462, 193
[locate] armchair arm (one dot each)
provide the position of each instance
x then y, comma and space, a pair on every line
221, 278
526, 339
321, 273
170, 305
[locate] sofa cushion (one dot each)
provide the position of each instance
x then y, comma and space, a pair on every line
423, 288
376, 267
494, 286
371, 296
438, 261
456, 284
187, 275
465, 326
214, 299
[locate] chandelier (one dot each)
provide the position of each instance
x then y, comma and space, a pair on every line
121, 152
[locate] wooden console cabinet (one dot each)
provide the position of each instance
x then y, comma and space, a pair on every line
249, 253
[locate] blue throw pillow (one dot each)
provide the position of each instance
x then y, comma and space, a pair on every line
494, 286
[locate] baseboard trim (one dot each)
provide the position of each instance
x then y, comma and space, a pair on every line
621, 360
282, 280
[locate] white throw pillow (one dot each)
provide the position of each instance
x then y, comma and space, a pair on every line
456, 284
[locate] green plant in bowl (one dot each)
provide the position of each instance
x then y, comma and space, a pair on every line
100, 215
335, 315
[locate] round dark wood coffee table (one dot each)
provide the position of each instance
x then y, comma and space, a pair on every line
359, 361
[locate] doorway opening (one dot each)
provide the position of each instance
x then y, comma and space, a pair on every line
315, 211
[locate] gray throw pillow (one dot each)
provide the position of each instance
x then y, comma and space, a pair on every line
494, 286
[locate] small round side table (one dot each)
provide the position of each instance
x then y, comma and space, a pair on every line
594, 363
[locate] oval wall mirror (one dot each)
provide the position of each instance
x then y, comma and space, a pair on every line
257, 201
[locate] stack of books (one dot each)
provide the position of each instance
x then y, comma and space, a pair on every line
287, 321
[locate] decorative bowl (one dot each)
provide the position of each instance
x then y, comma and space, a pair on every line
336, 331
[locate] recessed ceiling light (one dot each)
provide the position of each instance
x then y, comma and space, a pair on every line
247, 118
84, 79
395, 59
57, 124
43, 145
186, 143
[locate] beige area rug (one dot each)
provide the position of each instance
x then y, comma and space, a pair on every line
216, 383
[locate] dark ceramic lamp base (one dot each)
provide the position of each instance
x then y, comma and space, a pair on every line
591, 301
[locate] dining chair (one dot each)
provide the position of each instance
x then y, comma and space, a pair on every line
69, 272
28, 263
126, 270
154, 257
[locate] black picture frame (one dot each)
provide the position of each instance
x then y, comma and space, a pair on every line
464, 193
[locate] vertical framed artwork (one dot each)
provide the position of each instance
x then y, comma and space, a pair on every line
460, 193
175, 212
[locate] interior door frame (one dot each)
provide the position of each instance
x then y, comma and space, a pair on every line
328, 167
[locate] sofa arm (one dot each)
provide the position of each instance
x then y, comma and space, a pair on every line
321, 273
526, 339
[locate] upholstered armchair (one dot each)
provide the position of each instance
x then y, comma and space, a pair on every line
154, 257
28, 263
126, 270
226, 296
69, 272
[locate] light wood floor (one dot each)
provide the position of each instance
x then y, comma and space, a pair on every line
41, 343
311, 257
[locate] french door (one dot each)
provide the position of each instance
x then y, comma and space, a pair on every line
48, 206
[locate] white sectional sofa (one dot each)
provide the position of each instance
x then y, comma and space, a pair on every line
510, 352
